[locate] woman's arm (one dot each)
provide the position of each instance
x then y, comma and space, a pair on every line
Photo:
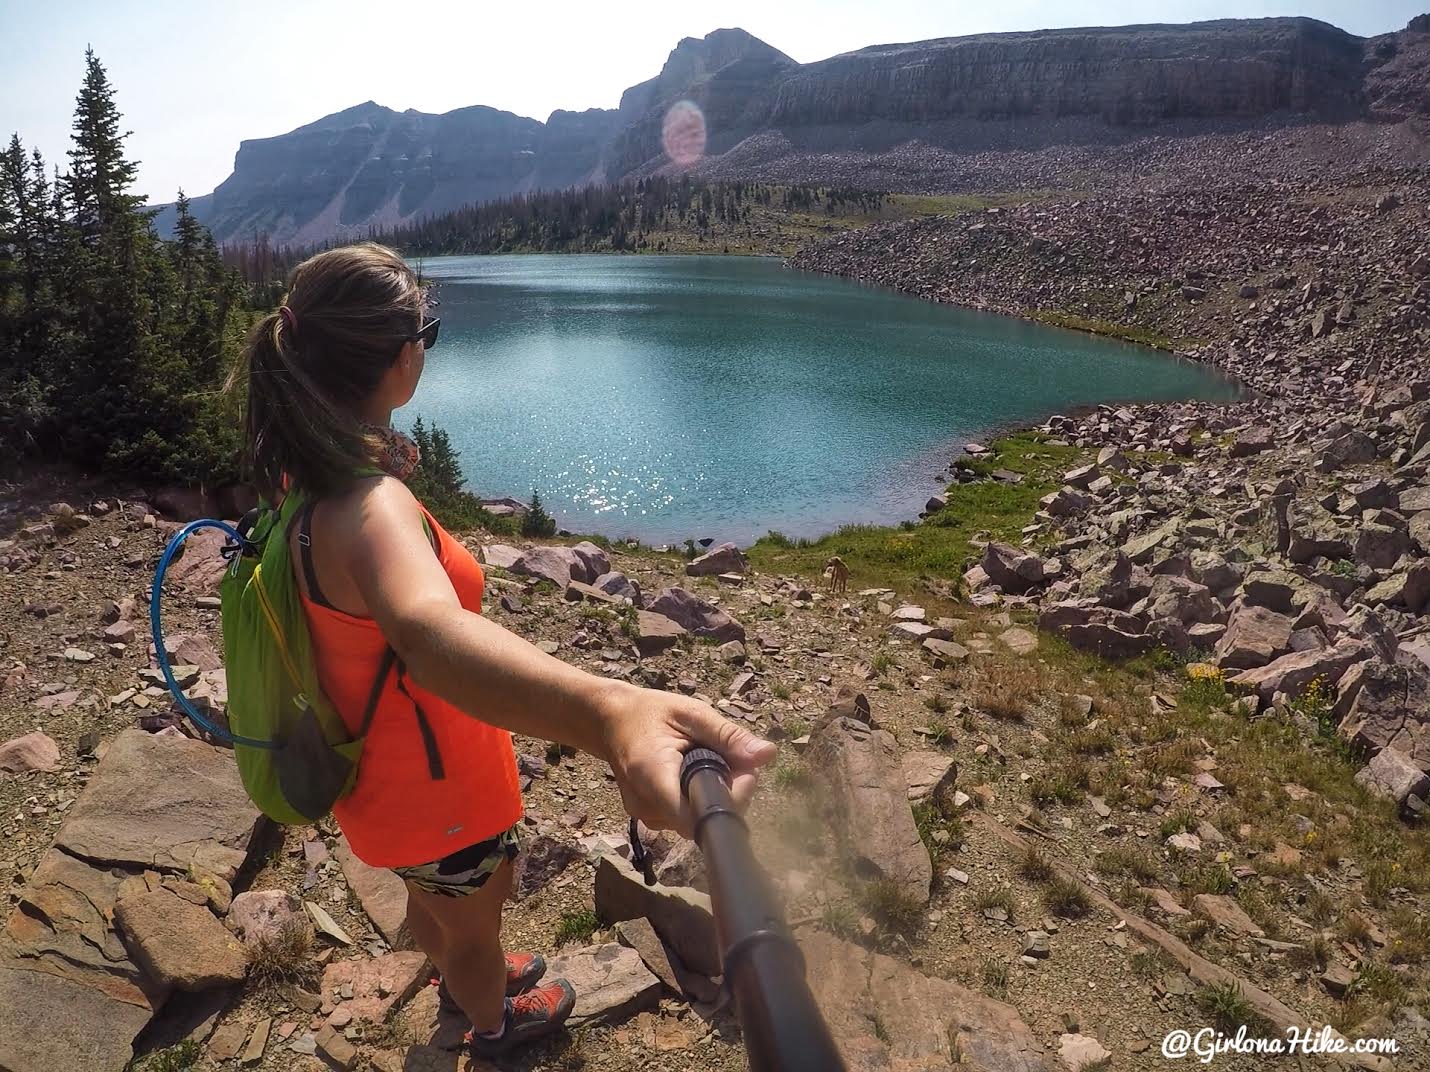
495, 675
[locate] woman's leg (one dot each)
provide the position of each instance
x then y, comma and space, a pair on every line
462, 935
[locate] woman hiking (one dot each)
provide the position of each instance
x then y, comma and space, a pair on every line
436, 798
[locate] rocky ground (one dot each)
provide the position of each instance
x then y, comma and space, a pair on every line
1033, 856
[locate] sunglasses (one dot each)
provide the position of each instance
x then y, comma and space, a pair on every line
427, 334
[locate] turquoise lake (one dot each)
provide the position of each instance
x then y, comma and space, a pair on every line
671, 397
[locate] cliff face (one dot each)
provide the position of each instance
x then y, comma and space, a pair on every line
369, 164
1127, 75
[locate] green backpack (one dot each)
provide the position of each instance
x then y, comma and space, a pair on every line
295, 754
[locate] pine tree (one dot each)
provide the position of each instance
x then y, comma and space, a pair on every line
100, 175
537, 521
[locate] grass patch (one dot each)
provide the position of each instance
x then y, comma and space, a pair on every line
1066, 898
1034, 866
996, 897
1125, 860
790, 773
995, 977
180, 1057
1094, 326
576, 926
891, 907
286, 958
897, 556
1228, 1009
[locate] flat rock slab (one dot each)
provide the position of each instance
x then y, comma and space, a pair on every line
1227, 914
381, 893
680, 915
611, 981
928, 774
1019, 641
63, 926
170, 803
52, 1024
377, 984
869, 801
925, 1024
179, 944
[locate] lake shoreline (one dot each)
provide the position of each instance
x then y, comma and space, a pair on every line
850, 398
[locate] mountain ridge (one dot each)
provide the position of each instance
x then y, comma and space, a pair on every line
370, 166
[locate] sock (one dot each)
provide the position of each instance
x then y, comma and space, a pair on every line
493, 1036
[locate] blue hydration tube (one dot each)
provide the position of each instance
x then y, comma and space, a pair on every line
163, 656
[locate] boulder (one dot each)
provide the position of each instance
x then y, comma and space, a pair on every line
1254, 637
884, 1014
700, 618
49, 1023
559, 565
594, 562
1352, 448
200, 565
639, 935
1077, 1052
261, 915
1141, 550
724, 558
177, 943
1066, 502
381, 893
611, 983
928, 774
1109, 633
1252, 441
1381, 546
869, 801
500, 556
1385, 705
1179, 599
681, 916
619, 585
1414, 500
63, 926
33, 752
1214, 571
1392, 774
1019, 640
656, 633
1015, 572
944, 651
1291, 673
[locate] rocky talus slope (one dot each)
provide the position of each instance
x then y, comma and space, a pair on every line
997, 850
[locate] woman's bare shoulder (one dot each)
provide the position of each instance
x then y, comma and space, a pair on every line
383, 501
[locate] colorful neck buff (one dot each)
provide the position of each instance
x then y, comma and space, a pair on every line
399, 454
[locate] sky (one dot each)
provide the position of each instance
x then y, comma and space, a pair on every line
195, 77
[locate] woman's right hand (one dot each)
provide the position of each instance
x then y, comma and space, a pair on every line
647, 733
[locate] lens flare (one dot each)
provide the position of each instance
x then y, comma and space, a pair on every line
683, 133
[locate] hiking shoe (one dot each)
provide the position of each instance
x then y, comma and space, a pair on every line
529, 1016
522, 972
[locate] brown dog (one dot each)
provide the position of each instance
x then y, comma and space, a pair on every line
838, 574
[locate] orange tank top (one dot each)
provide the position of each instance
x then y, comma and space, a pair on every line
398, 815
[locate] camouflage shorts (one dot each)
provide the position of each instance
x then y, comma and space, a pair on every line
460, 873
